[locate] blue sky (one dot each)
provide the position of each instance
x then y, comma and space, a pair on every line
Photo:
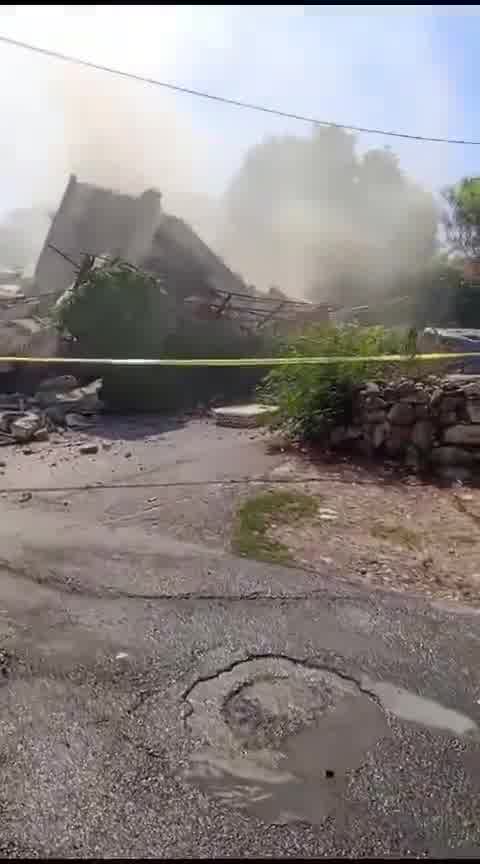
411, 68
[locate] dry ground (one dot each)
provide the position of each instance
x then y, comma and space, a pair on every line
391, 532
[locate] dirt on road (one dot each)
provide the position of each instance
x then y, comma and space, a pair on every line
190, 478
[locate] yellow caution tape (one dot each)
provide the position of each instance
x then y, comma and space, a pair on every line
243, 361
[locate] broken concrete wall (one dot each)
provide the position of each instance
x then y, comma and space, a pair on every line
98, 221
177, 247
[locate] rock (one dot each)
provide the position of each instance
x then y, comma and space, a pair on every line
449, 418
405, 388
375, 403
23, 428
41, 434
60, 384
337, 436
413, 459
421, 411
378, 434
422, 435
77, 421
88, 449
352, 433
27, 451
473, 411
106, 445
454, 473
81, 400
55, 415
390, 394
436, 398
463, 434
7, 418
327, 514
375, 416
472, 390
418, 397
450, 403
451, 456
128, 455
371, 387
398, 438
24, 497
401, 414
3, 464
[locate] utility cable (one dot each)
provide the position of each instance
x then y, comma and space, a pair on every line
235, 103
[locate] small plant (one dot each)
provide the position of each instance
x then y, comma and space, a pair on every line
313, 397
257, 515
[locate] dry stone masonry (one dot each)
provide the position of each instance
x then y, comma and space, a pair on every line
429, 425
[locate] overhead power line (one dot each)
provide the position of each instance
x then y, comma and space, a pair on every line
236, 103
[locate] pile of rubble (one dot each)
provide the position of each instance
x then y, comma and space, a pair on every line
59, 402
433, 424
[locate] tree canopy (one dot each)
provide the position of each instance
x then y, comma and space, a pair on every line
462, 218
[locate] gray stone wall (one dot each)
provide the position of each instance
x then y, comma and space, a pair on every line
430, 425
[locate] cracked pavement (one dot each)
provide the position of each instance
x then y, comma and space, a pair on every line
111, 631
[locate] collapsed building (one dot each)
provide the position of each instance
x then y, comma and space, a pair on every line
92, 222
96, 221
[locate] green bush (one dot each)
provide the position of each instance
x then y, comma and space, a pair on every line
120, 311
313, 397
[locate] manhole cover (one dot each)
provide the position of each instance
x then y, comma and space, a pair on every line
277, 738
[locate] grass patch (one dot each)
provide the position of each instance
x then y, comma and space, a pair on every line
397, 534
257, 515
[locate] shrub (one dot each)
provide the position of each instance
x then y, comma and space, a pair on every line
313, 397
119, 311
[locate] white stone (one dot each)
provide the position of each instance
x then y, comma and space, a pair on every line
23, 428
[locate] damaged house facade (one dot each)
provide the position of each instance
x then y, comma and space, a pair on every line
96, 221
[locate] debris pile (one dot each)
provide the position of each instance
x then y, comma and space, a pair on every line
59, 402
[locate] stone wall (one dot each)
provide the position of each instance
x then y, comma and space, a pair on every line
429, 425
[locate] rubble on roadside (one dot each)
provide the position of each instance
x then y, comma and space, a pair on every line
59, 402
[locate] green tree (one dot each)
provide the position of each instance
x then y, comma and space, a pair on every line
119, 311
462, 217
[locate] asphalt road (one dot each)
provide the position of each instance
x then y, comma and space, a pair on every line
162, 698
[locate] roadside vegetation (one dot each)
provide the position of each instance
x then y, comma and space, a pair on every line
310, 397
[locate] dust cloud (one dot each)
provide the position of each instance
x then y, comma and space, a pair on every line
310, 213
319, 218
126, 137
